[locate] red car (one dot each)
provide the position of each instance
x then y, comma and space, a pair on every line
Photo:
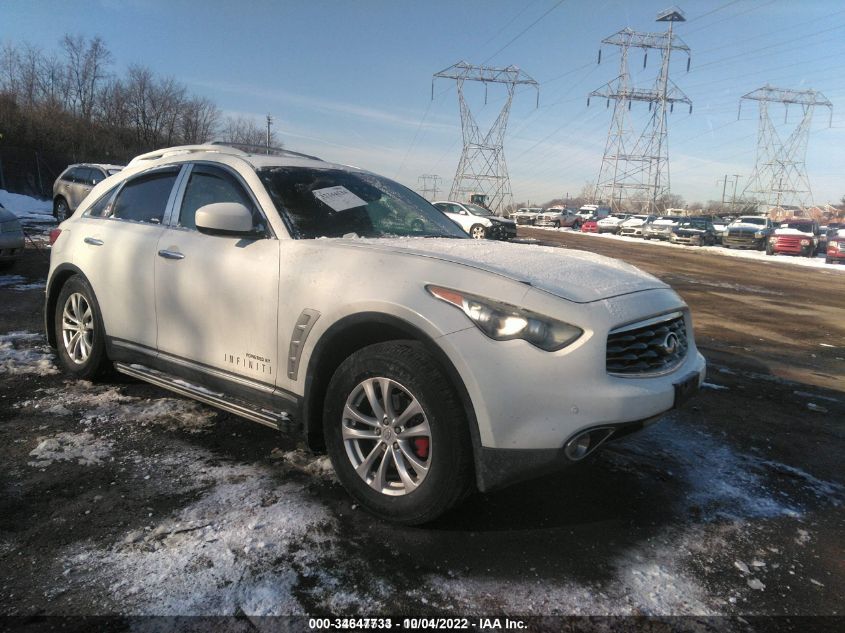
590, 226
796, 236
835, 248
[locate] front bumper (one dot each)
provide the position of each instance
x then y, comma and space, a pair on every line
11, 246
686, 239
735, 241
635, 231
553, 396
501, 231
523, 221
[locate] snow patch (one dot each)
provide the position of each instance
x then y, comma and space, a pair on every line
306, 462
719, 481
240, 547
25, 206
82, 448
20, 353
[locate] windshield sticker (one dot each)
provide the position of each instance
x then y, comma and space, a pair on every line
338, 198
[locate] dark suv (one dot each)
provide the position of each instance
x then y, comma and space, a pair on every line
74, 183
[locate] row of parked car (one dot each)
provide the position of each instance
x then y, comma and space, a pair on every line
794, 236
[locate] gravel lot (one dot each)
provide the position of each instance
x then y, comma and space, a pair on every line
120, 498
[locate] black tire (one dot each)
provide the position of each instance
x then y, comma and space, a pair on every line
413, 371
576, 226
477, 232
61, 210
770, 250
95, 362
828, 260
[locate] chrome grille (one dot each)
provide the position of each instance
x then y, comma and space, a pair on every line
649, 347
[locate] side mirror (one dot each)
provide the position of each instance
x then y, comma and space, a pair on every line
225, 218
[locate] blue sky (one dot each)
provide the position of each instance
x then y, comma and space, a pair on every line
351, 81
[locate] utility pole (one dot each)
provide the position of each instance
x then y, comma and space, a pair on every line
428, 186
733, 198
269, 123
780, 171
638, 165
482, 168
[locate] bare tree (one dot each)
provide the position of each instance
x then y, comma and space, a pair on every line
86, 63
246, 131
198, 120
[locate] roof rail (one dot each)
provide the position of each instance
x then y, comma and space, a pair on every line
263, 149
186, 149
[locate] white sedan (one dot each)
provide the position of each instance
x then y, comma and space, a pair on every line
325, 300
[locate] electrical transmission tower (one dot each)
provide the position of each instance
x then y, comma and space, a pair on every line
482, 169
635, 166
428, 186
780, 171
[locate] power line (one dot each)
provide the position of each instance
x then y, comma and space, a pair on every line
525, 30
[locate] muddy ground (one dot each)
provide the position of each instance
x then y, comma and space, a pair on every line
119, 498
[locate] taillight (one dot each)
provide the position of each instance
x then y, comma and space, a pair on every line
54, 235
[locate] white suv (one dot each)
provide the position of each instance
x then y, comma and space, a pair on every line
478, 222
326, 300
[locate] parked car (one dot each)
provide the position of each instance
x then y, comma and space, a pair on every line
559, 217
526, 215
661, 228
796, 236
720, 225
594, 211
748, 231
634, 225
695, 231
477, 221
379, 341
75, 183
835, 252
590, 225
11, 238
611, 223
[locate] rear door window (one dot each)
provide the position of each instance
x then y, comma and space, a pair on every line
144, 199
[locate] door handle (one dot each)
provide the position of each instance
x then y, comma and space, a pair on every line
170, 254
93, 241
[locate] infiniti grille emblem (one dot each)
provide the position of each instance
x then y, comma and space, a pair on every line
670, 344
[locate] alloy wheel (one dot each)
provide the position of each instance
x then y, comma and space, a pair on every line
387, 436
78, 328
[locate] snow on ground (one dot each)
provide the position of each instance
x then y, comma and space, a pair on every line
237, 547
26, 207
82, 448
16, 282
25, 353
760, 256
106, 406
720, 482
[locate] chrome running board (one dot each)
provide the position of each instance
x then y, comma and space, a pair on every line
217, 399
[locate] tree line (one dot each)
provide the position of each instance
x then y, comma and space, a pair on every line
69, 103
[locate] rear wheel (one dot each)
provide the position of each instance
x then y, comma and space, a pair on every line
396, 433
80, 335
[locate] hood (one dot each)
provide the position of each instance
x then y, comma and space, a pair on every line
688, 230
792, 231
747, 225
496, 219
570, 274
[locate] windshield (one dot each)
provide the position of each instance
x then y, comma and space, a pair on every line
760, 221
805, 227
694, 224
477, 210
338, 203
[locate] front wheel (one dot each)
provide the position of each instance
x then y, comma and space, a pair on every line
60, 210
770, 249
80, 335
396, 433
477, 232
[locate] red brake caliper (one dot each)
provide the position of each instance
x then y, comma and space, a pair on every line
421, 447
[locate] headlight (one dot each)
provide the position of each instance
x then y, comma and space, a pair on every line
805, 242
758, 235
773, 240
504, 322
